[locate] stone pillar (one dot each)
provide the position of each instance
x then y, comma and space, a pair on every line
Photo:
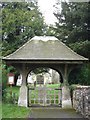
22, 101
66, 99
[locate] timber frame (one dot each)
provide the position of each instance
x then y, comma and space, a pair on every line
33, 55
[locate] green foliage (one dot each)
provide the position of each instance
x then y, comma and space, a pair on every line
40, 70
82, 48
84, 76
20, 22
0, 73
50, 31
10, 69
73, 22
80, 75
4, 77
10, 95
5, 70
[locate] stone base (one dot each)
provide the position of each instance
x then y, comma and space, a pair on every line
66, 104
66, 98
22, 101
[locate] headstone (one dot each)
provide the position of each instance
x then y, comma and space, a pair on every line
40, 79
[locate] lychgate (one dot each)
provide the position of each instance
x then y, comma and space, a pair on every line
44, 51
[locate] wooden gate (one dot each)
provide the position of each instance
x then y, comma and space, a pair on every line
44, 96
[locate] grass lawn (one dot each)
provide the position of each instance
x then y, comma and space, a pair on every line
14, 111
53, 85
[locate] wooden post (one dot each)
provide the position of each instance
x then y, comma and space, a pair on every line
61, 97
23, 101
66, 75
11, 90
66, 99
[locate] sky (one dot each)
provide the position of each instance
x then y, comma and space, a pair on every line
46, 7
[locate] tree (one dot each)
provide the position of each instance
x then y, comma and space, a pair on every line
82, 48
4, 76
73, 22
40, 70
73, 28
80, 75
20, 22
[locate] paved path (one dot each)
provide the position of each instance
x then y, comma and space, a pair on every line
53, 113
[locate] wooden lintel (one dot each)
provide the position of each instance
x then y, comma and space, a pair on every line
44, 62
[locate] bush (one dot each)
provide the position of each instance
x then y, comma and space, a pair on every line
9, 97
4, 78
81, 75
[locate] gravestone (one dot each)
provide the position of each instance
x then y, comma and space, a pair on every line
40, 79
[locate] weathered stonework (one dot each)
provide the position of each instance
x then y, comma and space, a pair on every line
81, 100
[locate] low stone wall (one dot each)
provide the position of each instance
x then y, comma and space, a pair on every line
81, 100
